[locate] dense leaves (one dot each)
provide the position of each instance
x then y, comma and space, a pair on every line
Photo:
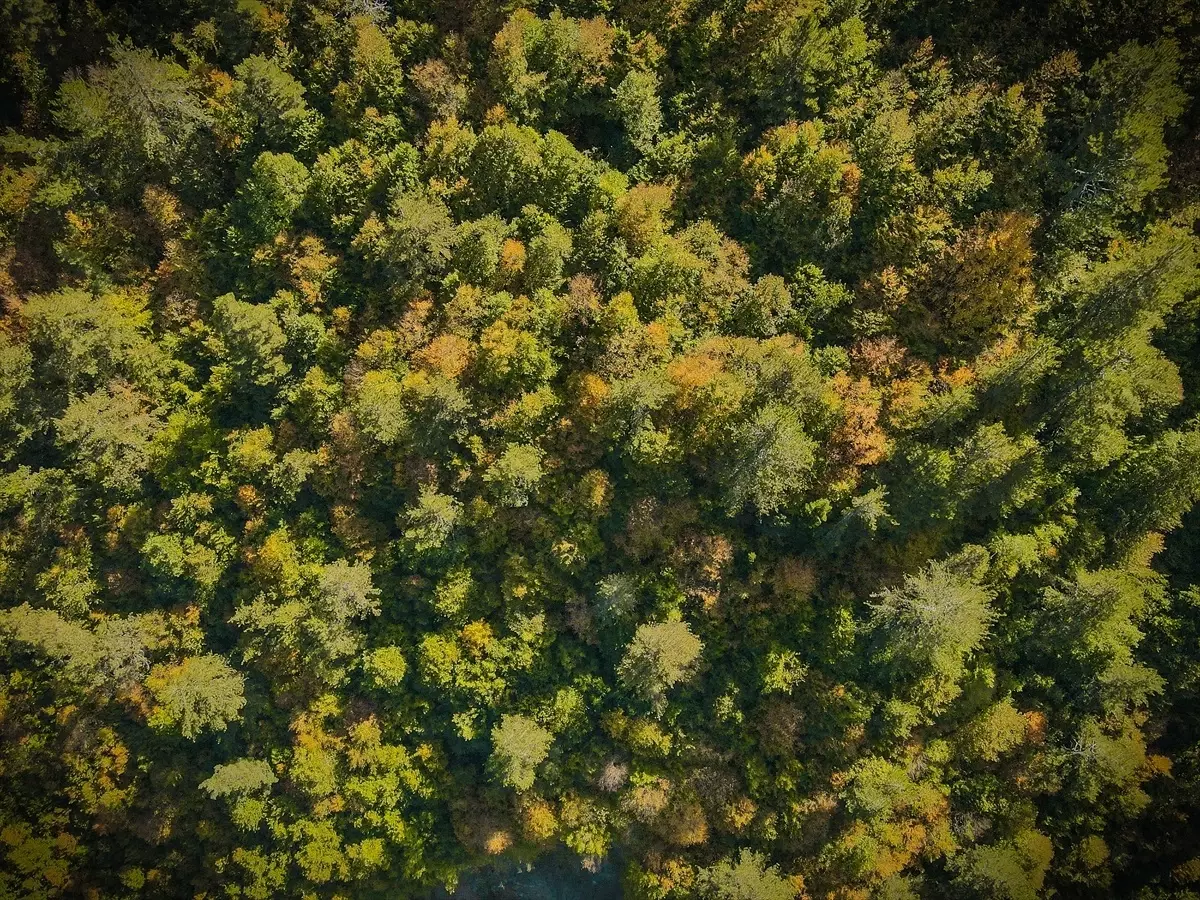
753, 442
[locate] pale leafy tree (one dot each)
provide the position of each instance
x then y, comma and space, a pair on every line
242, 776
113, 656
547, 255
515, 474
519, 745
639, 109
385, 667
141, 106
413, 243
83, 342
195, 695
660, 656
924, 629
746, 877
1010, 870
379, 406
430, 523
771, 463
109, 433
346, 591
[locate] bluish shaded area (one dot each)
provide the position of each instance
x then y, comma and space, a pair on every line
556, 876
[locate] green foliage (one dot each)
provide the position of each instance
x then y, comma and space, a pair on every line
140, 109
431, 522
639, 109
249, 341
413, 243
924, 630
772, 457
750, 878
108, 434
660, 656
515, 474
268, 107
82, 342
385, 667
200, 693
269, 198
243, 776
519, 745
751, 443
1013, 870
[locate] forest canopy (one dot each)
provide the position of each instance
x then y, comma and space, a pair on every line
752, 443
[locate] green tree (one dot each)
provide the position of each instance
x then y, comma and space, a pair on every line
81, 342
431, 522
249, 340
515, 474
412, 244
243, 776
268, 199
109, 434
1013, 870
141, 109
197, 694
346, 591
660, 656
749, 878
385, 667
269, 111
923, 631
771, 462
638, 108
519, 745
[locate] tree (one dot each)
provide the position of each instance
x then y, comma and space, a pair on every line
346, 592
1012, 870
547, 255
379, 407
197, 694
519, 745
268, 199
347, 180
250, 340
1132, 96
385, 667
515, 474
431, 521
109, 433
660, 656
795, 176
1154, 486
243, 776
638, 109
924, 630
983, 284
997, 730
82, 342
141, 109
771, 462
749, 878
413, 243
16, 374
269, 111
